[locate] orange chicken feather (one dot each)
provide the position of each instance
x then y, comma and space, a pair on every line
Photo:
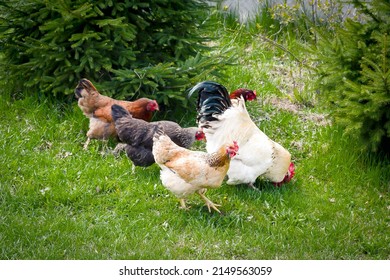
97, 108
185, 172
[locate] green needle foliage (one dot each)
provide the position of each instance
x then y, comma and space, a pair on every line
355, 76
126, 47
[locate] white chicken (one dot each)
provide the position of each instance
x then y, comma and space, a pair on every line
222, 121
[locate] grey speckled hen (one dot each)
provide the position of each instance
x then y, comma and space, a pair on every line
138, 135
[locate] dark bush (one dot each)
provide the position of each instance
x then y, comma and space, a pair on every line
128, 48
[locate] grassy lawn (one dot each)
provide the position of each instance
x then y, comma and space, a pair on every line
61, 202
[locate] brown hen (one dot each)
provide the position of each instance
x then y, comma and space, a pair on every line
97, 108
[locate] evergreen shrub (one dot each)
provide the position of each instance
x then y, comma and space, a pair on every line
127, 48
354, 70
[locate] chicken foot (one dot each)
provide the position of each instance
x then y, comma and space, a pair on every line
183, 204
252, 185
208, 202
119, 148
85, 147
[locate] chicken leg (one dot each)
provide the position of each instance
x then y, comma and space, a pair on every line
85, 147
183, 204
208, 202
252, 185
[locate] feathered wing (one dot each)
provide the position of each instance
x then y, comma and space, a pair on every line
280, 165
183, 137
132, 131
103, 113
140, 155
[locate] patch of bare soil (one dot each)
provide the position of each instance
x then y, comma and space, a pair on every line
287, 105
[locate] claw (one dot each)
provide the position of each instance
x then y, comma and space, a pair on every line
120, 147
209, 203
183, 204
87, 143
132, 168
252, 185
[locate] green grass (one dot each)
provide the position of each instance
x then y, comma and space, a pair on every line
61, 202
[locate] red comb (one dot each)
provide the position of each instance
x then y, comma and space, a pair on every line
290, 174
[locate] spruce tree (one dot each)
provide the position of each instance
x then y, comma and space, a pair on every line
355, 76
128, 48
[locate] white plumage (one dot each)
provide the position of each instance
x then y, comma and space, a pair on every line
258, 155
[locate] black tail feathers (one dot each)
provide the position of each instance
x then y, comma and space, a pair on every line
213, 99
118, 112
